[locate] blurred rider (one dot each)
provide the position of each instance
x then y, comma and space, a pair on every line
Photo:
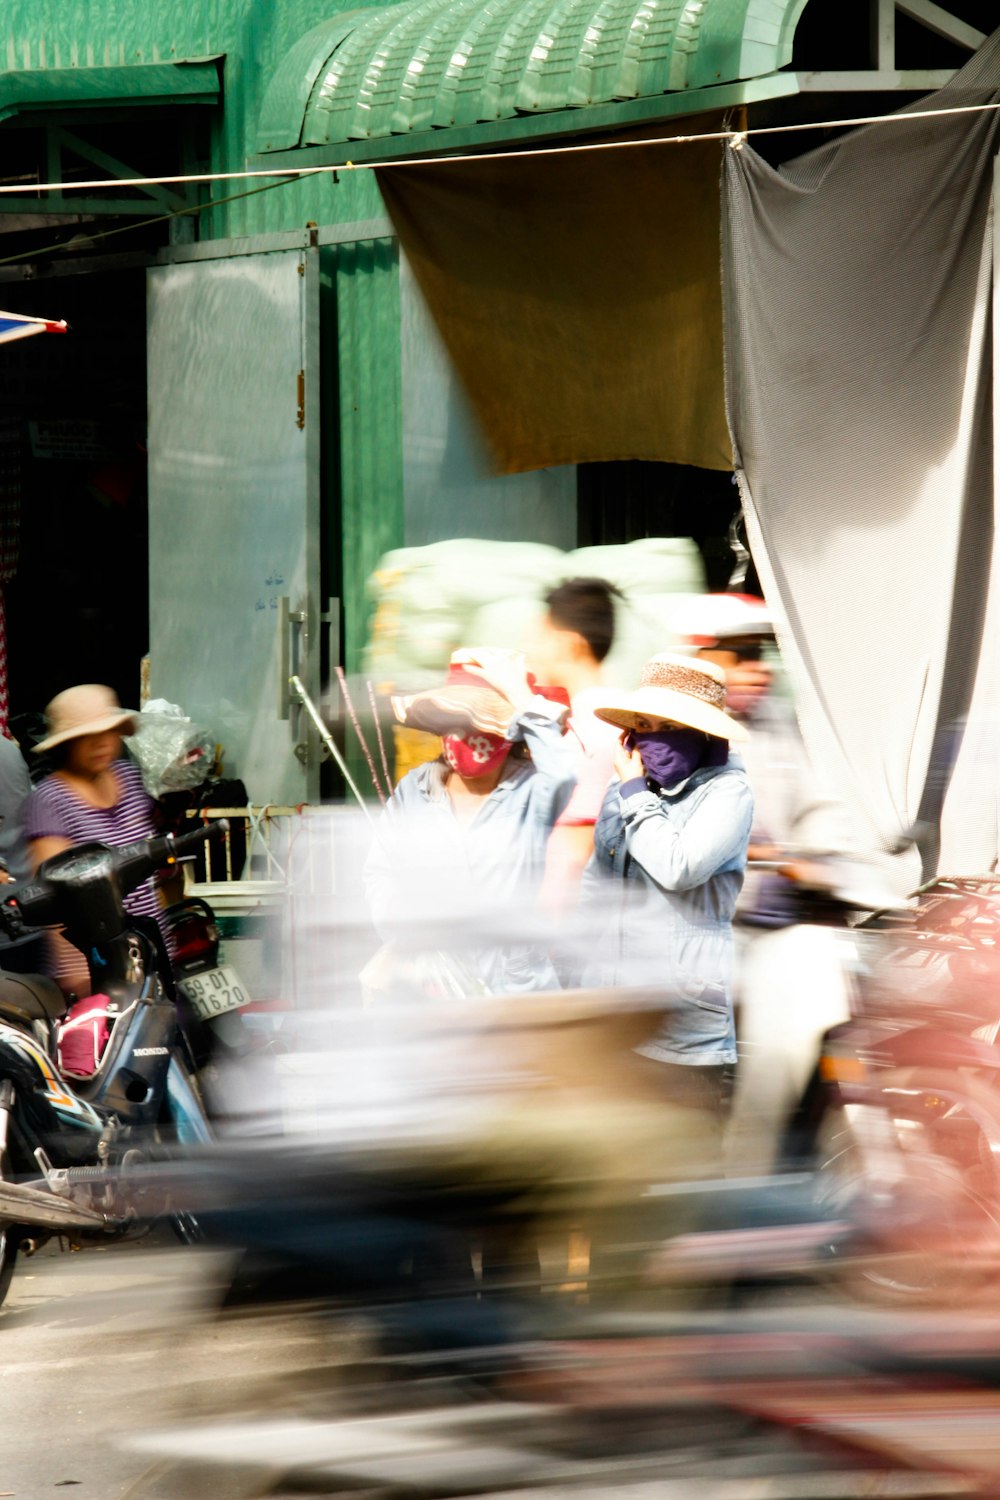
791, 984
791, 811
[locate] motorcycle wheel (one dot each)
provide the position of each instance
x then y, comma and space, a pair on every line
934, 1237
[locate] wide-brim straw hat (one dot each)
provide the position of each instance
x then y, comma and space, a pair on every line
87, 709
674, 690
462, 703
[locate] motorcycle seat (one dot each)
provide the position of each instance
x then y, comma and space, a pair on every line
30, 997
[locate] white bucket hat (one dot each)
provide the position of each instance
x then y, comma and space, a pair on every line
87, 709
674, 690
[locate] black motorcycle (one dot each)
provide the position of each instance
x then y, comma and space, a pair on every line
66, 1145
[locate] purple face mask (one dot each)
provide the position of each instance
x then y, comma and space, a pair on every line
670, 756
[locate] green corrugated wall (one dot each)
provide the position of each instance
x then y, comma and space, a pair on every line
363, 492
361, 357
254, 35
364, 279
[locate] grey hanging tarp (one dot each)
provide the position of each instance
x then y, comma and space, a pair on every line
859, 363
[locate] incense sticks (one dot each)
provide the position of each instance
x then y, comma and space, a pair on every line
378, 734
342, 679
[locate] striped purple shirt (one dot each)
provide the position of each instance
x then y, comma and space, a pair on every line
53, 810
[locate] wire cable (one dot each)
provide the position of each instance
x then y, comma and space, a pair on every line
281, 176
734, 137
177, 213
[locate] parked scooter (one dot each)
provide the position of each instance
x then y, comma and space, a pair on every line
904, 1114
66, 1144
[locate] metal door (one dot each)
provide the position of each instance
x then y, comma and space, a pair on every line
233, 356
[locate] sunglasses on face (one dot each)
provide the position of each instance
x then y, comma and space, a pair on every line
745, 650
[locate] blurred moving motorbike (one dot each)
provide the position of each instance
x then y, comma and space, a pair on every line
796, 972
902, 1115
444, 1163
68, 1141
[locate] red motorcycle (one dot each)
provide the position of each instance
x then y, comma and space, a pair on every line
906, 1099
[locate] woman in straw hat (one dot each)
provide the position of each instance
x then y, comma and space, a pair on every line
462, 844
93, 794
672, 838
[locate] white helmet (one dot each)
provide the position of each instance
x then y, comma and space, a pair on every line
710, 619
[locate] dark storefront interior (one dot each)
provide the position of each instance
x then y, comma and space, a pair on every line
73, 505
621, 502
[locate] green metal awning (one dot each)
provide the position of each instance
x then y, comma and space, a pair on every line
432, 66
30, 89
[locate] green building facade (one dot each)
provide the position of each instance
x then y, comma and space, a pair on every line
250, 361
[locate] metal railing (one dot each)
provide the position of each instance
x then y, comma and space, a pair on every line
267, 898
258, 848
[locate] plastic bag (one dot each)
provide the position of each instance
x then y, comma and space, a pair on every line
173, 753
83, 1034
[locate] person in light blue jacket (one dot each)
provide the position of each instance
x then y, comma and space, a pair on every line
458, 857
670, 852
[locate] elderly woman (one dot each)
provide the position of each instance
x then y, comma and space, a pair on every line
670, 851
92, 795
461, 847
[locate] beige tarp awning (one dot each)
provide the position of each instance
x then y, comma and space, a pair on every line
579, 296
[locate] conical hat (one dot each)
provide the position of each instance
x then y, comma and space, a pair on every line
462, 703
674, 690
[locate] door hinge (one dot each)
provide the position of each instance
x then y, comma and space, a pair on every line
300, 387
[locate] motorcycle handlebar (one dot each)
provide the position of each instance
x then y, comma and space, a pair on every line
136, 862
35, 903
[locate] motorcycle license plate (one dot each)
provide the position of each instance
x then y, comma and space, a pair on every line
214, 992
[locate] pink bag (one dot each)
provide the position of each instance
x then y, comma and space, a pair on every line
82, 1036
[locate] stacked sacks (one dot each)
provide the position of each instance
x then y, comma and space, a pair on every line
428, 601
652, 565
652, 574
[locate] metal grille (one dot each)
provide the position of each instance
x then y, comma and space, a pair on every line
273, 836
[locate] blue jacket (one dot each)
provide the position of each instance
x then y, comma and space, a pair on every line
660, 891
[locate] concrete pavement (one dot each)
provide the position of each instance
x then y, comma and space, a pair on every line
119, 1381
